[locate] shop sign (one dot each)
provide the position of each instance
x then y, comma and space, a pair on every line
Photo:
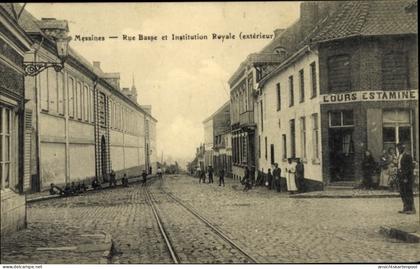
362, 96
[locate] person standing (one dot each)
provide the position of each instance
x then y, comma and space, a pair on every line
210, 171
246, 180
222, 177
393, 167
112, 180
276, 177
144, 176
300, 176
291, 170
124, 180
384, 164
269, 179
405, 179
368, 167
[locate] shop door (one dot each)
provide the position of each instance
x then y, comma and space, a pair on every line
103, 160
341, 154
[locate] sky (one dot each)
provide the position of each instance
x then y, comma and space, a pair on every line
184, 81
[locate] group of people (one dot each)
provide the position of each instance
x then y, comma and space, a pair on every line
396, 172
201, 174
69, 189
113, 180
294, 178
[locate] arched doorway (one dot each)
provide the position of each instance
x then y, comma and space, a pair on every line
103, 159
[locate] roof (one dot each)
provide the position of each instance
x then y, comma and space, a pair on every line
31, 25
227, 103
370, 18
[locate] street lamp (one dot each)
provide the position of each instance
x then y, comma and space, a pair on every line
62, 46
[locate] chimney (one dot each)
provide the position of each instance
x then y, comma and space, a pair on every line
308, 17
278, 32
54, 28
97, 64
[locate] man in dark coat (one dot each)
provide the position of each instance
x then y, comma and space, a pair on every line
222, 177
210, 171
276, 177
405, 179
300, 176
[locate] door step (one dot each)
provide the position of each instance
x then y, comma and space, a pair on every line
342, 185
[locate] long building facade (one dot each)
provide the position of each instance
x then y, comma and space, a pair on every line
83, 124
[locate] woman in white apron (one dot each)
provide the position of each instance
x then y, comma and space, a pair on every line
291, 170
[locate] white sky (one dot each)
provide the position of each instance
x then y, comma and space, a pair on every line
184, 81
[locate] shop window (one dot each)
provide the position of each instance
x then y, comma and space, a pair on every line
396, 129
262, 115
342, 118
265, 145
339, 73
52, 90
394, 71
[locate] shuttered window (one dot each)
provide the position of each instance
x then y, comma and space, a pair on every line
339, 73
394, 71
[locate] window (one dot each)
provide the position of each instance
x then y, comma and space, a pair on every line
301, 86
394, 71
86, 103
396, 129
6, 126
92, 106
52, 90
291, 93
71, 97
60, 89
266, 150
278, 96
292, 139
272, 154
313, 80
259, 146
342, 118
339, 73
315, 137
303, 137
262, 115
78, 109
284, 143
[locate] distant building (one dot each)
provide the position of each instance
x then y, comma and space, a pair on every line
14, 143
222, 149
208, 142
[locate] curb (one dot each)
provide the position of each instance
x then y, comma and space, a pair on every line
400, 234
107, 254
346, 196
56, 196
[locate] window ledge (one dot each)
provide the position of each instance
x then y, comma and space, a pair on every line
316, 161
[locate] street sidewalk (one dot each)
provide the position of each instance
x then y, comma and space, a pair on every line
409, 233
40, 244
45, 195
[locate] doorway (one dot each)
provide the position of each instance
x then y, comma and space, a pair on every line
341, 153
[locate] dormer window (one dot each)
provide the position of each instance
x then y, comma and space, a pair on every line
281, 51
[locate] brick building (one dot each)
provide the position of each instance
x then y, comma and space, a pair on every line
14, 43
349, 85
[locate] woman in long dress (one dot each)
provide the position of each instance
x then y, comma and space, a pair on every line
291, 171
384, 164
392, 170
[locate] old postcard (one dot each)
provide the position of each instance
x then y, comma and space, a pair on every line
209, 133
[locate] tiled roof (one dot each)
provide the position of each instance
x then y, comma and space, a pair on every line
368, 18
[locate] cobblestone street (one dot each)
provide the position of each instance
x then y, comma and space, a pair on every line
272, 228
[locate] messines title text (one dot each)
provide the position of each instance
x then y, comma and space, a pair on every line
222, 37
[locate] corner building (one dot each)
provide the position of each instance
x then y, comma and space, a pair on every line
350, 85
